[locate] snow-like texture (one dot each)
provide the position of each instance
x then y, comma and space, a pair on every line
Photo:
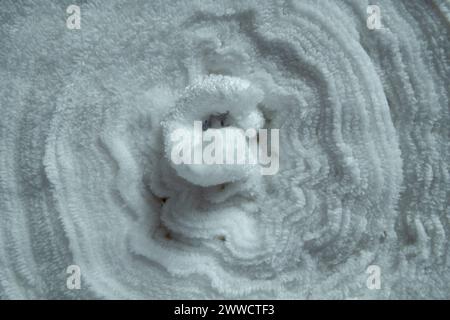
364, 149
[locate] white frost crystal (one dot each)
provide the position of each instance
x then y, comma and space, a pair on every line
185, 140
364, 124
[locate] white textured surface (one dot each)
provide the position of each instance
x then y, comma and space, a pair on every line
364, 150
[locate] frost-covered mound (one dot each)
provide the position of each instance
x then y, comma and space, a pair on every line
364, 149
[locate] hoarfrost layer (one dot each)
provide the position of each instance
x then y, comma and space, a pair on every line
364, 149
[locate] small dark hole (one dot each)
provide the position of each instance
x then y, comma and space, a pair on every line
205, 125
383, 237
162, 200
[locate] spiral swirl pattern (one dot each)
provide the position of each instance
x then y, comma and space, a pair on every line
364, 149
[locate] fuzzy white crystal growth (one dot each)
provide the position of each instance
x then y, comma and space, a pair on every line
188, 145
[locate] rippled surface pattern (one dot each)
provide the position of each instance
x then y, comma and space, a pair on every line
364, 124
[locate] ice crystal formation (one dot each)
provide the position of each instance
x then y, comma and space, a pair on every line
364, 149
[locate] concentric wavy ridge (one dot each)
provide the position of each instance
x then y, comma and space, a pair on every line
85, 171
